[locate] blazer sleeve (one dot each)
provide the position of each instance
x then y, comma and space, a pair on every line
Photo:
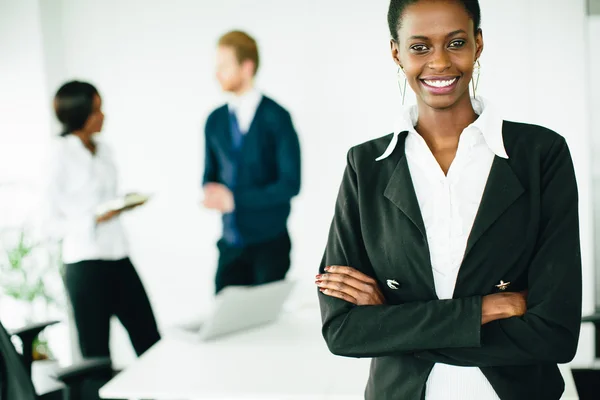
287, 184
374, 331
549, 330
210, 159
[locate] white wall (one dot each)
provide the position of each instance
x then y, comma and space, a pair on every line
24, 114
328, 62
24, 134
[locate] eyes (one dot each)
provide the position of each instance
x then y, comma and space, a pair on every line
422, 48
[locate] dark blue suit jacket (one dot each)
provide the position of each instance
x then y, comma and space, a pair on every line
266, 172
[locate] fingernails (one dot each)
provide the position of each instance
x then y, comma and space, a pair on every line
327, 269
322, 290
318, 283
319, 277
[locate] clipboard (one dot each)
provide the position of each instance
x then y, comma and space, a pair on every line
121, 203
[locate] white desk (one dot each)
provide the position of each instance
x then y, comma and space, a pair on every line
285, 361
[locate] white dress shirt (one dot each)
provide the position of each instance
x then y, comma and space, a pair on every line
448, 205
77, 183
244, 107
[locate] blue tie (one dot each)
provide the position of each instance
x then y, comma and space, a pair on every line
236, 133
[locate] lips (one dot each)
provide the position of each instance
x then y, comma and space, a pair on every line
440, 85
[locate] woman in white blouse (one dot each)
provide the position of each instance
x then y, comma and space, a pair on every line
100, 278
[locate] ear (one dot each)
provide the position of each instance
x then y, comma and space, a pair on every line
249, 67
89, 123
478, 44
395, 52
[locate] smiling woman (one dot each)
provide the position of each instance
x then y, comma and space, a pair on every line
453, 258
437, 53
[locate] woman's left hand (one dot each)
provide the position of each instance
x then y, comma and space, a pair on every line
348, 284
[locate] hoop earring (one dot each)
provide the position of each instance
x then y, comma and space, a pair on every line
402, 83
475, 77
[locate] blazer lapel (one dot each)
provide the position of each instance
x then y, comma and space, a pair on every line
225, 139
401, 192
257, 115
503, 188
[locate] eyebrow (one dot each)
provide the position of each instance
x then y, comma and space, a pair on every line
453, 33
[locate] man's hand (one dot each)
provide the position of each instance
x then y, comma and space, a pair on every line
218, 197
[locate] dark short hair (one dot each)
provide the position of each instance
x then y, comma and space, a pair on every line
397, 8
73, 105
243, 45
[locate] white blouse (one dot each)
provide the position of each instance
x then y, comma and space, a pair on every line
77, 183
448, 205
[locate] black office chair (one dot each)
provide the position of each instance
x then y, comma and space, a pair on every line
28, 334
15, 377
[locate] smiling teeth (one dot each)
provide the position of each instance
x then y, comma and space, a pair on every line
440, 83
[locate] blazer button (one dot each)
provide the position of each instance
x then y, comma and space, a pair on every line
393, 284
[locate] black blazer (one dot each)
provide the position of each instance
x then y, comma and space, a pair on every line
526, 232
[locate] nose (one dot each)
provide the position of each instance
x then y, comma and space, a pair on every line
440, 61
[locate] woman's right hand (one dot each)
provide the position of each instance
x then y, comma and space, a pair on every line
107, 216
503, 305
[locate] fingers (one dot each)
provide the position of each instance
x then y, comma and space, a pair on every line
339, 281
351, 285
216, 188
339, 295
207, 202
351, 272
337, 285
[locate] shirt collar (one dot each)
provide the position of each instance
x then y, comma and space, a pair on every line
247, 100
489, 123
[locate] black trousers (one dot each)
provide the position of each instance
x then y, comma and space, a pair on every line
254, 264
99, 289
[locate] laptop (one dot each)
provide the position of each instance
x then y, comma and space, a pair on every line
238, 308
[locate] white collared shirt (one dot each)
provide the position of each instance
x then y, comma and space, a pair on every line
448, 205
245, 107
77, 183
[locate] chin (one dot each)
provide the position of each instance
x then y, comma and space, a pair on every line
229, 87
442, 102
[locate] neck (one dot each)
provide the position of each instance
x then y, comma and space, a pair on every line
87, 140
442, 128
244, 88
